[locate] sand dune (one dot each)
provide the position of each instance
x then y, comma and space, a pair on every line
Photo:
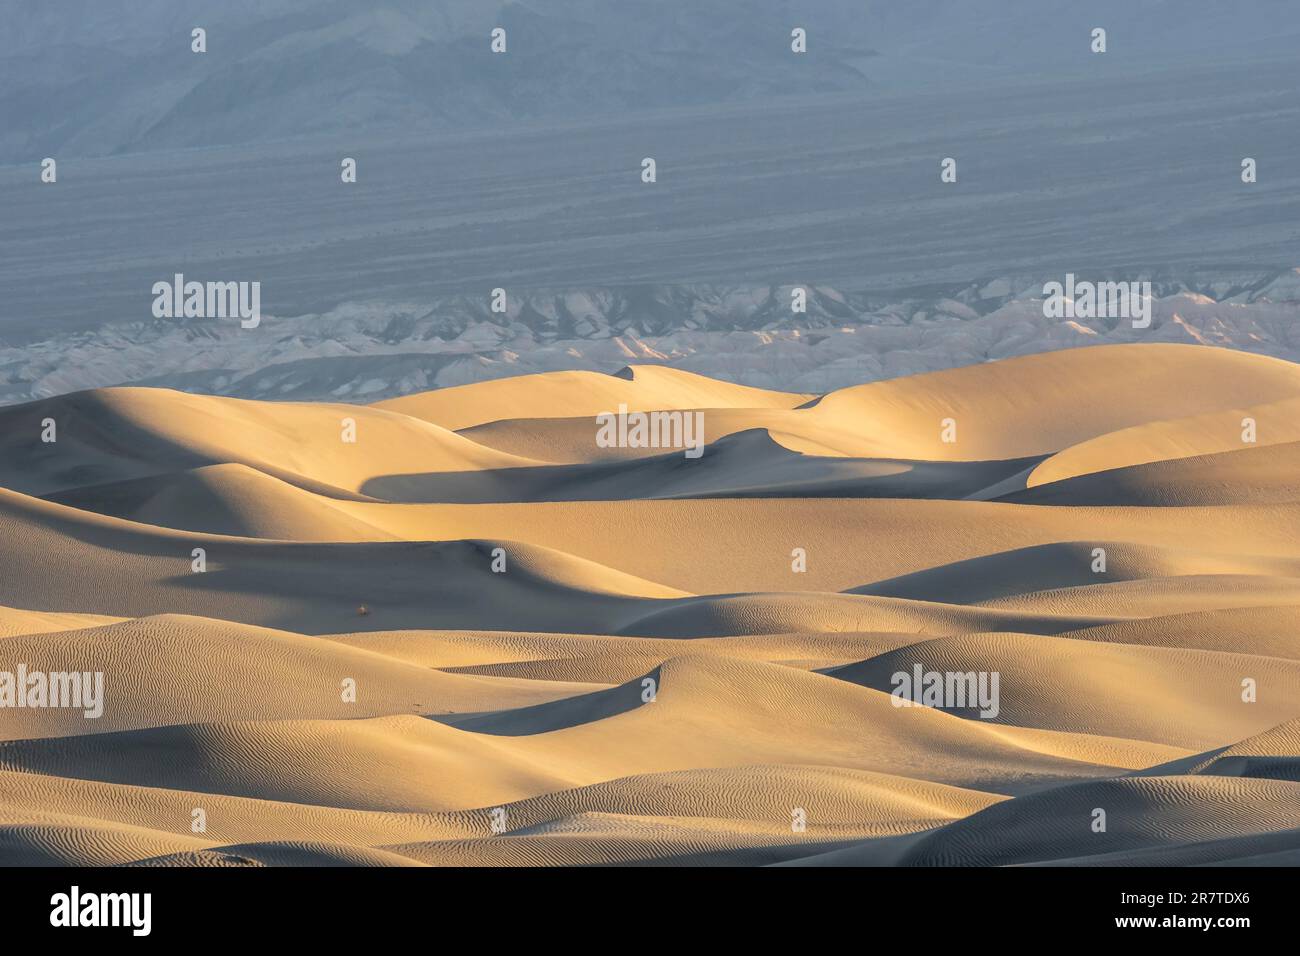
1273, 754
610, 659
64, 557
1210, 433
585, 394
1040, 404
227, 499
472, 636
172, 669
1016, 408
1069, 564
1252, 475
116, 434
1267, 631
17, 621
744, 464
1106, 689
1142, 814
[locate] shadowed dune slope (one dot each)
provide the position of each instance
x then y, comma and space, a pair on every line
115, 434
1142, 814
1068, 565
745, 464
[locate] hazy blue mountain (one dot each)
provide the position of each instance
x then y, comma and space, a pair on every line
90, 77
86, 84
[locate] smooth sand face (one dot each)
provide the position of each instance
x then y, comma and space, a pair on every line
475, 636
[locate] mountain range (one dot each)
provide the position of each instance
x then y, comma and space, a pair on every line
363, 352
94, 77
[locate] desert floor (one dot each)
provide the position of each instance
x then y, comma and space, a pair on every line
474, 636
